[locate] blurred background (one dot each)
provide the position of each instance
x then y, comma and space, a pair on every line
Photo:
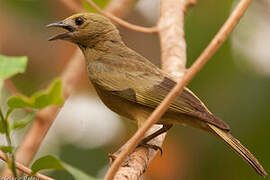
235, 85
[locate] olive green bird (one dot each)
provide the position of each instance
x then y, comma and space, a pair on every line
133, 87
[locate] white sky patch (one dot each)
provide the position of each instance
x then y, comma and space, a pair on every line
86, 122
83, 121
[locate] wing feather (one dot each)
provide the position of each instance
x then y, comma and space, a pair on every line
151, 86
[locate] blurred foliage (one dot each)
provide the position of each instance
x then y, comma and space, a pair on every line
52, 162
39, 100
31, 8
10, 66
18, 124
91, 161
101, 4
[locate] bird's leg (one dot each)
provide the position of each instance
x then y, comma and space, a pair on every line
144, 141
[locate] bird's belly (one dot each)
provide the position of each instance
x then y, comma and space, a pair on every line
140, 113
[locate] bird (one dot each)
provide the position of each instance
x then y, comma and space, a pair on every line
131, 86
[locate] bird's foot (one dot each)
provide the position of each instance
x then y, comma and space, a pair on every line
112, 157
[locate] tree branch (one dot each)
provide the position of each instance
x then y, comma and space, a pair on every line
190, 73
172, 37
24, 169
121, 21
73, 6
116, 7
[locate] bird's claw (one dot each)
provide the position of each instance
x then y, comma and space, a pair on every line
112, 157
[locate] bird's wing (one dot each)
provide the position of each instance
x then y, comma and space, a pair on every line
145, 84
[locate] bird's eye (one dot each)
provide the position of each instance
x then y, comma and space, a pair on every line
79, 21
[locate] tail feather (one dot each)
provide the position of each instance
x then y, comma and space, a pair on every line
240, 149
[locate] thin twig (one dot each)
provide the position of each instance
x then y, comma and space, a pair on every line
116, 7
122, 22
190, 73
190, 3
73, 6
24, 169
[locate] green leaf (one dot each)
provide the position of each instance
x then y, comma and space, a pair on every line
46, 162
100, 4
10, 66
39, 100
3, 123
51, 162
7, 149
18, 124
2, 127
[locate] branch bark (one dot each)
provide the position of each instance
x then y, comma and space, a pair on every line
172, 37
214, 45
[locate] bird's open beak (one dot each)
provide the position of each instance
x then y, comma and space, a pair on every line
62, 35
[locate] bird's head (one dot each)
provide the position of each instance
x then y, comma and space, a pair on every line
86, 29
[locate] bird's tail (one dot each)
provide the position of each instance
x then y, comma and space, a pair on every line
240, 149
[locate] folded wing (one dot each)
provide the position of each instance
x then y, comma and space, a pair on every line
147, 85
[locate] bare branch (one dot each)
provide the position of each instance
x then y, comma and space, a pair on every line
137, 162
190, 3
116, 7
24, 169
122, 22
171, 34
73, 6
161, 109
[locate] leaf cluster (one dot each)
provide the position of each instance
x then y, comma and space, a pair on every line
10, 66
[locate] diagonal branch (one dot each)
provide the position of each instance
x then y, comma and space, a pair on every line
73, 6
122, 22
25, 169
214, 45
